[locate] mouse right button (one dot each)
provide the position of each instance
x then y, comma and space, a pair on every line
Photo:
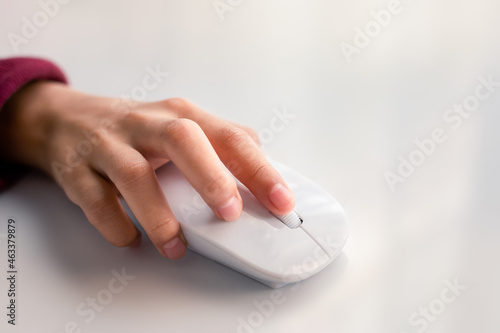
327, 226
323, 219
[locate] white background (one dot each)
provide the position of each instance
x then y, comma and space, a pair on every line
352, 123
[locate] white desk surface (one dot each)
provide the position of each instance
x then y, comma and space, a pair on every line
352, 122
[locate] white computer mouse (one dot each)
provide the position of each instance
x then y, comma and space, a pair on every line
275, 250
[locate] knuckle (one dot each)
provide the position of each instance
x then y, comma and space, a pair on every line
216, 188
95, 204
133, 118
73, 192
234, 137
181, 129
100, 212
165, 229
253, 134
97, 212
106, 145
110, 225
261, 171
177, 103
250, 131
83, 192
255, 137
130, 172
235, 167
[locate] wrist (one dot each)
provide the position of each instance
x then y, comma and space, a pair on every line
27, 123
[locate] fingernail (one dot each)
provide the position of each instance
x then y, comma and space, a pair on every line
231, 210
174, 249
280, 196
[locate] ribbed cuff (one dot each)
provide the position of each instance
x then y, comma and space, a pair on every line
17, 72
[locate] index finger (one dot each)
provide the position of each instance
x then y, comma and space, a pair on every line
241, 155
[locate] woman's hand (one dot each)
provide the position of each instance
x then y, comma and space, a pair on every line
98, 148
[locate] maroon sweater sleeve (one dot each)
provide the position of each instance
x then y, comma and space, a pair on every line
14, 74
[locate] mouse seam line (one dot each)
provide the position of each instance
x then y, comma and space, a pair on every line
314, 240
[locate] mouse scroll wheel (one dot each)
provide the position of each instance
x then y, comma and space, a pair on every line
292, 220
